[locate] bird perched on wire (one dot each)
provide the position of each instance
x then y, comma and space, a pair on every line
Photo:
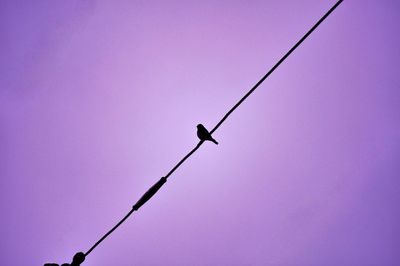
203, 134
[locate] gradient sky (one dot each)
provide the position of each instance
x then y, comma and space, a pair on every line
99, 99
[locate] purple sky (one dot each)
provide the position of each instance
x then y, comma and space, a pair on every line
99, 99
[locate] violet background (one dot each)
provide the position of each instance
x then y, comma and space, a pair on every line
99, 99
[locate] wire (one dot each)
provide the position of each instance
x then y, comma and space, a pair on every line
133, 209
109, 232
155, 187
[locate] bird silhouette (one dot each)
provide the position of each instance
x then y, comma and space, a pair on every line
203, 134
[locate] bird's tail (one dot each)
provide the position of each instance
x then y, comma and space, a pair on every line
213, 140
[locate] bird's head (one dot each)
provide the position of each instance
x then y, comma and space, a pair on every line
200, 126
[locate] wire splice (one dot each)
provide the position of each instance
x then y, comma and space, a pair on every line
149, 193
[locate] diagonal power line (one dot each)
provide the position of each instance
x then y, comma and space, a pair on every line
153, 190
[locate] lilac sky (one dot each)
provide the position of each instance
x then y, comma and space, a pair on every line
99, 99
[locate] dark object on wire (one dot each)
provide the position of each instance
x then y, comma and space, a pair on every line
149, 193
146, 196
76, 260
203, 134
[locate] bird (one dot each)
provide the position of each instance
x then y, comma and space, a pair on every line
203, 134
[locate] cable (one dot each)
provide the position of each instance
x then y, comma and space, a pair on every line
276, 66
109, 232
153, 190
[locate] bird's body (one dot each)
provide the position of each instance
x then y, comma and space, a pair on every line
203, 134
